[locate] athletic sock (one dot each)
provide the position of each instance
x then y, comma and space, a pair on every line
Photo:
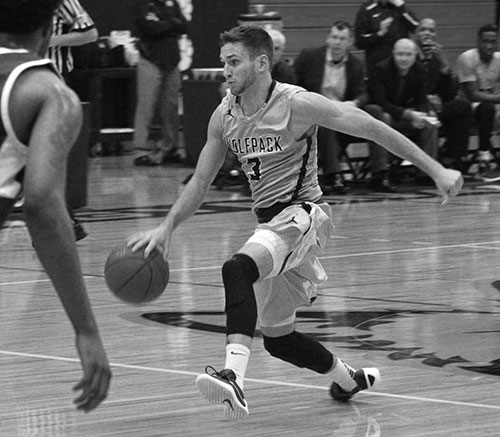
237, 356
343, 375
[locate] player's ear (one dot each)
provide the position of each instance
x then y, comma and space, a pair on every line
263, 62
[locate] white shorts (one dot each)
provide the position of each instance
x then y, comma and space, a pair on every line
294, 238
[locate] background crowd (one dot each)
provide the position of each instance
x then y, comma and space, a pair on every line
387, 61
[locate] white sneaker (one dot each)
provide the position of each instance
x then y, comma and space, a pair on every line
365, 379
221, 388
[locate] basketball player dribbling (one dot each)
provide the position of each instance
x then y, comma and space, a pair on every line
271, 127
40, 118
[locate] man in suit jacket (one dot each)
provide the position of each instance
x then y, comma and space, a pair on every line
397, 85
331, 70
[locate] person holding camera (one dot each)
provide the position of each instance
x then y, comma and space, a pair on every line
454, 113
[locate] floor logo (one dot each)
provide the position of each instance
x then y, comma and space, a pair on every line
450, 340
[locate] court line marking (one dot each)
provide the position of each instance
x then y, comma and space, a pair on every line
259, 381
382, 252
36, 281
479, 245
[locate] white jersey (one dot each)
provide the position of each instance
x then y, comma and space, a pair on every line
13, 152
281, 169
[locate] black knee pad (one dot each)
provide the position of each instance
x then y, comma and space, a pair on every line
239, 274
301, 351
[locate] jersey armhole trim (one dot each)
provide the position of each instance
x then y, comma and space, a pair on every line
7, 89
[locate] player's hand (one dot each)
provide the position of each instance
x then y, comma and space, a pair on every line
397, 3
158, 237
96, 372
449, 183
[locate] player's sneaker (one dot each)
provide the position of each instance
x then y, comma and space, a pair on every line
490, 176
78, 229
221, 388
365, 379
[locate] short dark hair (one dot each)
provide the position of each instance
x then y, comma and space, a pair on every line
341, 25
23, 17
254, 38
487, 28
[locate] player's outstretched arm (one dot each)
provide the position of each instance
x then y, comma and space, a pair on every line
316, 109
209, 163
56, 116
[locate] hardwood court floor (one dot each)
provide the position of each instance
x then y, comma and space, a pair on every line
413, 289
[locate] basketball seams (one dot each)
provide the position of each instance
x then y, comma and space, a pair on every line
119, 262
148, 276
162, 267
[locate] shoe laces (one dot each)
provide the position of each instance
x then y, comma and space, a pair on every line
352, 372
226, 374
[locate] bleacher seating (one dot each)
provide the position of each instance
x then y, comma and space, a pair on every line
307, 22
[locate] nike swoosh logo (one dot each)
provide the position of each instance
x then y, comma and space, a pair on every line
236, 353
228, 403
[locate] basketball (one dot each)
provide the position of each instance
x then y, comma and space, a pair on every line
133, 278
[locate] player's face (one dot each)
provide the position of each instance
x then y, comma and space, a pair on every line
240, 69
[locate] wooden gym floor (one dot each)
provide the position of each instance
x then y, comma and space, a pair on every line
413, 289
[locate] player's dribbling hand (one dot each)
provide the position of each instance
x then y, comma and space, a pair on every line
157, 237
449, 183
96, 372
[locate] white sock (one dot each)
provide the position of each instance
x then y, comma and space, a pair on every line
237, 356
341, 375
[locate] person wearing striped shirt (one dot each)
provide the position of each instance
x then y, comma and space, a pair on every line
72, 26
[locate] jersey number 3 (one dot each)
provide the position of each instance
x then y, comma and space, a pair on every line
252, 169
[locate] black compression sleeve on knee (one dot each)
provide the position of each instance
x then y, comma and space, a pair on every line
239, 274
301, 351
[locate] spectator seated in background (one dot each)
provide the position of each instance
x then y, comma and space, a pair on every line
331, 70
379, 24
281, 70
478, 71
397, 86
455, 113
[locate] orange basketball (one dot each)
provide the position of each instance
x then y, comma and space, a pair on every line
133, 278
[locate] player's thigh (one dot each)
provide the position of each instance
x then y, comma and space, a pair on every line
276, 306
261, 256
272, 244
